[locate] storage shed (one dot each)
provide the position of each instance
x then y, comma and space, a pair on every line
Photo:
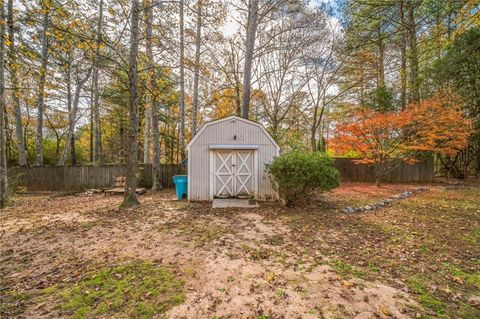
227, 157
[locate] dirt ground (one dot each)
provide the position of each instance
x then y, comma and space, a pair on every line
419, 257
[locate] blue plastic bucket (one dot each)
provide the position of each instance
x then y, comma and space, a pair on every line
181, 182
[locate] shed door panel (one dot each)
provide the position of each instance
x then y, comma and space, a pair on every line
233, 173
224, 174
243, 184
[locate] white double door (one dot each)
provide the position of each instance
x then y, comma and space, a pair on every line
233, 173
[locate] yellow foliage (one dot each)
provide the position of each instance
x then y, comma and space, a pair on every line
225, 103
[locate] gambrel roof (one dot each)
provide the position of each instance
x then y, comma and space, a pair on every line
232, 117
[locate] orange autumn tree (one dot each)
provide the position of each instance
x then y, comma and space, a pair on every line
435, 126
441, 127
375, 138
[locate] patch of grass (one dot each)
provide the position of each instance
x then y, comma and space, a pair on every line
256, 253
138, 289
345, 269
419, 285
470, 278
281, 293
223, 290
424, 249
89, 224
406, 239
202, 234
473, 236
13, 304
392, 230
467, 311
373, 268
275, 240
183, 205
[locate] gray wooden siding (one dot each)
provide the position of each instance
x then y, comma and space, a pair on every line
223, 133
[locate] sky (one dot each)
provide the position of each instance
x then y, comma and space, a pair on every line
231, 26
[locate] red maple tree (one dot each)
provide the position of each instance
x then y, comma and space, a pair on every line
440, 127
374, 138
436, 125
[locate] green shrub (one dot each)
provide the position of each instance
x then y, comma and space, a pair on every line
296, 174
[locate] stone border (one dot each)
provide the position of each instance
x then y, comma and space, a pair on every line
382, 203
459, 187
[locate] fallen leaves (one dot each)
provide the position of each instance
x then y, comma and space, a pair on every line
384, 311
347, 284
415, 237
270, 277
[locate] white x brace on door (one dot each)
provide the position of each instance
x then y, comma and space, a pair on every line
233, 173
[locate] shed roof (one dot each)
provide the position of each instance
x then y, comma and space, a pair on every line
207, 124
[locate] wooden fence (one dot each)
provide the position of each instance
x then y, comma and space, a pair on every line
67, 178
404, 173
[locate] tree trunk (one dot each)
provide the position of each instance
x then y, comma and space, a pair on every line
3, 155
378, 173
318, 112
73, 154
182, 83
97, 147
313, 130
477, 168
91, 124
403, 59
413, 54
177, 150
238, 100
152, 85
173, 137
197, 68
274, 129
68, 79
130, 198
362, 85
156, 168
249, 48
13, 66
70, 140
313, 140
148, 128
381, 57
8, 145
322, 147
123, 143
41, 85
